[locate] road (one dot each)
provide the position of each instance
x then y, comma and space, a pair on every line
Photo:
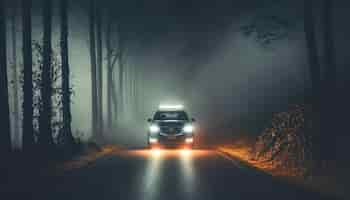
166, 175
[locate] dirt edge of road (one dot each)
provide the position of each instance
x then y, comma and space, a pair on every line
323, 184
87, 158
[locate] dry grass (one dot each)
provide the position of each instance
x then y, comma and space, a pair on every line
330, 181
88, 158
242, 149
243, 152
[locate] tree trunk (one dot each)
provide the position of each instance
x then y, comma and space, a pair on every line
330, 69
99, 70
5, 138
121, 72
137, 76
314, 66
67, 117
27, 124
45, 137
14, 78
114, 98
93, 66
109, 73
329, 85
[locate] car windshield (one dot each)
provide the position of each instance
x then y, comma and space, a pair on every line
170, 115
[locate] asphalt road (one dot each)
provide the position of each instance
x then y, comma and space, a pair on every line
165, 175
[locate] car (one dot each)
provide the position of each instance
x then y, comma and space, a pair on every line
170, 126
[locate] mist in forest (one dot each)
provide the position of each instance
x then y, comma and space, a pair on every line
191, 53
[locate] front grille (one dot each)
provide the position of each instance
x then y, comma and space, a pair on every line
171, 130
171, 127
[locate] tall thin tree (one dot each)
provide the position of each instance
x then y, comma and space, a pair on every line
27, 124
99, 68
109, 71
315, 72
121, 70
14, 75
329, 60
329, 83
45, 138
5, 139
67, 117
93, 66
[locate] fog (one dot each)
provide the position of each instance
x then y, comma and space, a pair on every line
197, 55
226, 80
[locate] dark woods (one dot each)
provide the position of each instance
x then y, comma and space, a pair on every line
326, 113
46, 89
323, 80
5, 139
43, 99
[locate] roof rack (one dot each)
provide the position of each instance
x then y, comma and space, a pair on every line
171, 107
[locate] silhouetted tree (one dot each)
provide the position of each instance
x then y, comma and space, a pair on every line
67, 117
121, 69
330, 69
99, 69
270, 27
28, 130
93, 66
315, 73
329, 83
45, 136
5, 139
15, 74
109, 71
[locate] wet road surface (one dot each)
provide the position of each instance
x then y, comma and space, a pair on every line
166, 175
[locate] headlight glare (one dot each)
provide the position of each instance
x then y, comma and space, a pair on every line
154, 128
189, 140
153, 140
188, 128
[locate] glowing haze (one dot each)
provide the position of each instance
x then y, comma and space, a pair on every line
192, 53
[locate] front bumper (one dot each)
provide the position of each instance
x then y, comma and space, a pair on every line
171, 140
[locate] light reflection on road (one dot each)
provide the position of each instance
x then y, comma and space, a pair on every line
155, 174
152, 177
188, 173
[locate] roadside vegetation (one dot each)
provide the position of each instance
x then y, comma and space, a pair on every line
285, 149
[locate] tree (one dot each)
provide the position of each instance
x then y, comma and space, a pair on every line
315, 75
28, 131
67, 117
45, 137
5, 138
121, 70
99, 69
93, 65
14, 76
56, 96
329, 60
109, 71
329, 82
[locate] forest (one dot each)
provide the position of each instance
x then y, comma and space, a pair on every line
78, 73
38, 86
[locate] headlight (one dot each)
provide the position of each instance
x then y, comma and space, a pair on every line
153, 140
188, 128
154, 128
189, 140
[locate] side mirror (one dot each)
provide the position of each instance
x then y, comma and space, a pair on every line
193, 120
149, 120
